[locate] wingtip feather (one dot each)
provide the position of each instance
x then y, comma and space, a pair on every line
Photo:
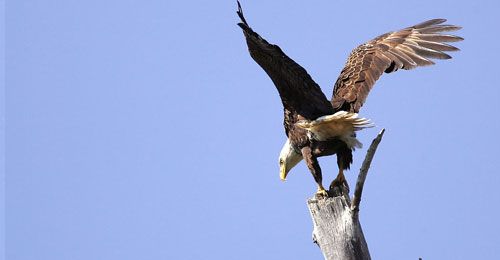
428, 23
240, 14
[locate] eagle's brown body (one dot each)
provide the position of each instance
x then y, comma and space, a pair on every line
303, 100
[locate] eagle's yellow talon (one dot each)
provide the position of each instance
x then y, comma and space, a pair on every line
339, 181
321, 193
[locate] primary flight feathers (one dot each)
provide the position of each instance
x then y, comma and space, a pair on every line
404, 49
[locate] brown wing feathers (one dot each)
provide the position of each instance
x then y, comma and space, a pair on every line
404, 49
297, 89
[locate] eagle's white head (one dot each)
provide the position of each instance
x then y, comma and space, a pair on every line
288, 159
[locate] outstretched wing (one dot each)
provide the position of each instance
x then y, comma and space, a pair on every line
404, 49
298, 91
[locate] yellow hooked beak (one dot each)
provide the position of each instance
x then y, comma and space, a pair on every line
283, 172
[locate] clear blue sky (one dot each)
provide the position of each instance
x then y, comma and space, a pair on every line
144, 130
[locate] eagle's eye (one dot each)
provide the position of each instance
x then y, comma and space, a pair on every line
281, 161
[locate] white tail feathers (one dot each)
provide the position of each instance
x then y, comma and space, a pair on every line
341, 125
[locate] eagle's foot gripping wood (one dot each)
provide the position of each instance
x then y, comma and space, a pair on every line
322, 193
339, 181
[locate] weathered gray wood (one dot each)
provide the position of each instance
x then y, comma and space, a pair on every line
337, 230
360, 183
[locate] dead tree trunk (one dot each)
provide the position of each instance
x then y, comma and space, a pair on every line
336, 225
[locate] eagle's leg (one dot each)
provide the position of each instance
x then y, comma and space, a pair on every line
313, 165
340, 179
344, 159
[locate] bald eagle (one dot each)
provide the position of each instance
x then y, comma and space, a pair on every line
316, 126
